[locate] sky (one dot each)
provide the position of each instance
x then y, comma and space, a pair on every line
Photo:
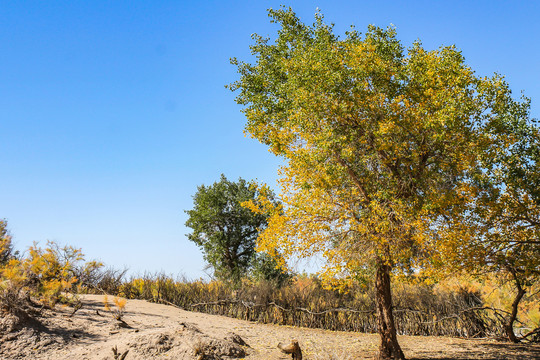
113, 112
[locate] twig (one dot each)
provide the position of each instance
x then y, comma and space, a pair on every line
77, 308
532, 332
117, 355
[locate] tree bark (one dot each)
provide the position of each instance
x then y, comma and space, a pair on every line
389, 348
509, 326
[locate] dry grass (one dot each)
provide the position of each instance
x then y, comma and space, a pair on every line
420, 309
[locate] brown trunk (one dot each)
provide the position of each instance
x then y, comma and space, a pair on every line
389, 348
509, 326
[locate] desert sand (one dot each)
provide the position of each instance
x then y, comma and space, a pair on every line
156, 331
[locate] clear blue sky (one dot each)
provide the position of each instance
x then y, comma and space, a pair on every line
112, 112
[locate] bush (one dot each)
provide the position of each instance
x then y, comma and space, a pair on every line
44, 277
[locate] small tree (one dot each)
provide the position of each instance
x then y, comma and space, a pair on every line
500, 231
6, 246
511, 214
224, 229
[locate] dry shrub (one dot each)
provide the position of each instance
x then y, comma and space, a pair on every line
106, 280
119, 308
497, 294
44, 277
421, 309
16, 308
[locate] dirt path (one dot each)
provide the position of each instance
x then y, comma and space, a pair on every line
165, 332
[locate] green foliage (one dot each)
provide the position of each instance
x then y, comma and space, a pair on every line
379, 140
224, 229
6, 246
508, 212
265, 268
500, 230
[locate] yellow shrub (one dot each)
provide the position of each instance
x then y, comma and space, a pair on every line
46, 274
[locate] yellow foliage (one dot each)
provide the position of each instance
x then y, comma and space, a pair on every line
120, 303
119, 306
497, 294
47, 274
106, 305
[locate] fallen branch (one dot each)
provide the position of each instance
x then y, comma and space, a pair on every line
458, 315
77, 307
533, 332
253, 305
117, 355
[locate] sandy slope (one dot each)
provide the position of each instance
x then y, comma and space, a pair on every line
165, 332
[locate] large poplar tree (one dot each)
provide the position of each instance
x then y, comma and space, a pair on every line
379, 144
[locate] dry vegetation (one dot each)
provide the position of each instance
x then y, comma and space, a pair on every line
43, 314
456, 307
160, 331
40, 280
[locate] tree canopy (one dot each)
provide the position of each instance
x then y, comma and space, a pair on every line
382, 144
500, 231
224, 229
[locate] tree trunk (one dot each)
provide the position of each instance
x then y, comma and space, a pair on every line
509, 326
389, 348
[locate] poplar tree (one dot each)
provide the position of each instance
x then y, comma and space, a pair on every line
380, 144
224, 229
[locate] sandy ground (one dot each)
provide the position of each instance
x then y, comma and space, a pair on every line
165, 332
